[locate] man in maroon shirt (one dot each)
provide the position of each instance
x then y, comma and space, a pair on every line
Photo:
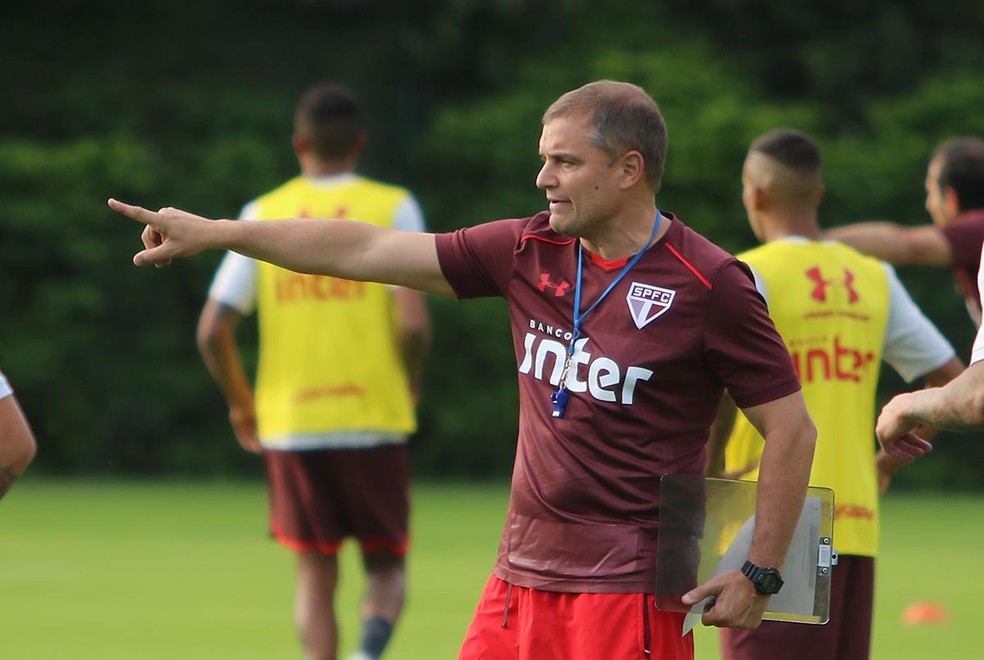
955, 202
627, 327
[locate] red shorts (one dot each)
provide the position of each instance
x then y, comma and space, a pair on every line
318, 498
847, 636
516, 623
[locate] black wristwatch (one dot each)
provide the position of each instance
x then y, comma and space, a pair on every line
767, 581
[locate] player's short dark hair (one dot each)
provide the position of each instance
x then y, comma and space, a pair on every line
962, 168
625, 118
790, 147
330, 117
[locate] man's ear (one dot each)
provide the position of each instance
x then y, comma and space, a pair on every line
299, 143
951, 203
360, 144
759, 197
632, 167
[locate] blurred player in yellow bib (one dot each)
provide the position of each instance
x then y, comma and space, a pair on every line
337, 379
840, 314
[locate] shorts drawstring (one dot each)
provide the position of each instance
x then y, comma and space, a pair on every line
646, 632
505, 609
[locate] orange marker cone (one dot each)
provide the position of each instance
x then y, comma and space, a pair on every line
922, 613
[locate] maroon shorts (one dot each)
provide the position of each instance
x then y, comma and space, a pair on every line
516, 623
320, 497
847, 636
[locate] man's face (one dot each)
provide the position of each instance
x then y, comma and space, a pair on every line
936, 203
581, 180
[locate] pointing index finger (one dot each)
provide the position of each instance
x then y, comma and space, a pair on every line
137, 213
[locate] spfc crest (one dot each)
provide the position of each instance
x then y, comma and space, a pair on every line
647, 302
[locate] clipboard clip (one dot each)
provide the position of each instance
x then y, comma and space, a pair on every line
826, 557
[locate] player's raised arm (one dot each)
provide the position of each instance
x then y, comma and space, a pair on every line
340, 248
895, 243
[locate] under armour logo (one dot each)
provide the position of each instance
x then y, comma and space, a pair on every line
545, 283
819, 292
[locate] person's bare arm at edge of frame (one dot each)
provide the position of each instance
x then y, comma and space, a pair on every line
790, 438
957, 406
340, 248
17, 443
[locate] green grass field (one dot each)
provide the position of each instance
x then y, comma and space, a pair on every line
124, 570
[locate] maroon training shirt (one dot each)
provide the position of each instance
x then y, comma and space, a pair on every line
649, 371
965, 236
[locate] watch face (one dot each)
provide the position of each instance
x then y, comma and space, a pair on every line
769, 583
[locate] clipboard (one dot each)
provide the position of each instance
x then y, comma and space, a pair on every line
706, 528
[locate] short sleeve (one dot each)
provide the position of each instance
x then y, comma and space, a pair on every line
913, 345
478, 261
965, 238
234, 283
741, 342
408, 216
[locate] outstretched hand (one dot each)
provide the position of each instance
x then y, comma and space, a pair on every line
907, 447
895, 427
167, 233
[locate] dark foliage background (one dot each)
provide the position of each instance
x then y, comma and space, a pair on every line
189, 104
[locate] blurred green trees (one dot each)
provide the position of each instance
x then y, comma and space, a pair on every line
189, 104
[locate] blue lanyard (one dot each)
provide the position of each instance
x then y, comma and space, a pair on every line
560, 397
